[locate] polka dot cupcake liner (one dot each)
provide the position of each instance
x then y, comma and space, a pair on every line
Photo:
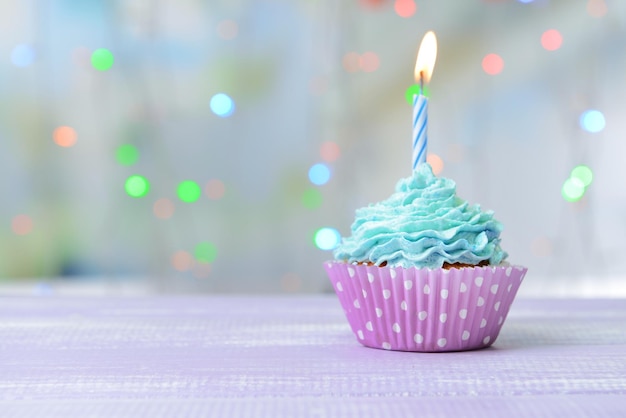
425, 310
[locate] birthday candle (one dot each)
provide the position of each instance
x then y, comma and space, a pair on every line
424, 65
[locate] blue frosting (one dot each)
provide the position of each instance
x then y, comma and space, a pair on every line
423, 224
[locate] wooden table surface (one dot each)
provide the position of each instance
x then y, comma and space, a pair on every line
293, 356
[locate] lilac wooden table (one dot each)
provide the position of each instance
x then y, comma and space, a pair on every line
295, 356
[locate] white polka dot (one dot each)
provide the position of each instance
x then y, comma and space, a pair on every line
463, 313
426, 289
496, 306
494, 289
357, 304
403, 305
486, 339
329, 265
443, 318
379, 312
386, 346
364, 293
392, 273
360, 334
408, 284
465, 335
370, 277
444, 293
441, 342
500, 320
463, 288
508, 289
481, 301
386, 293
422, 315
351, 271
369, 326
479, 281
418, 338
508, 272
483, 323
339, 286
396, 327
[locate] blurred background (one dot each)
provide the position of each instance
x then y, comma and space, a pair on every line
223, 146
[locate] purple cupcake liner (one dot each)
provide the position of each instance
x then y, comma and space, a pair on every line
425, 310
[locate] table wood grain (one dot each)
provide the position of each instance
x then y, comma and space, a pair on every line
238, 356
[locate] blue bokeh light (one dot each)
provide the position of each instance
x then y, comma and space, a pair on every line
22, 55
327, 238
222, 105
592, 121
525, 1
319, 174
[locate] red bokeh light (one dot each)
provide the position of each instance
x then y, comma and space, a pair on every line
493, 64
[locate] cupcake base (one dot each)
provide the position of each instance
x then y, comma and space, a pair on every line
425, 310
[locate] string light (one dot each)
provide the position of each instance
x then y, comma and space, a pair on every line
493, 64
327, 238
137, 186
188, 191
205, 252
126, 154
64, 136
222, 105
102, 59
592, 121
319, 174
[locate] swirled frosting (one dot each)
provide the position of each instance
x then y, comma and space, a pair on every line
423, 224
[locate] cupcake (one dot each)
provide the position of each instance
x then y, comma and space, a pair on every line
424, 271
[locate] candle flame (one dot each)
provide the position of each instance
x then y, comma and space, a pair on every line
426, 57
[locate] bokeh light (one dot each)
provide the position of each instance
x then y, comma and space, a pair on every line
493, 64
597, 8
573, 189
351, 62
188, 191
182, 261
583, 173
201, 270
227, 29
126, 154
525, 1
436, 163
64, 136
327, 238
330, 151
215, 189
405, 8
22, 55
369, 62
163, 208
137, 186
551, 40
102, 59
22, 224
222, 105
319, 174
592, 121
205, 252
312, 198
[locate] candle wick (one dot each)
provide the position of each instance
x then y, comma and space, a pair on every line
422, 82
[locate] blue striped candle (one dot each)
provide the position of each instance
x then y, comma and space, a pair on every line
424, 65
420, 128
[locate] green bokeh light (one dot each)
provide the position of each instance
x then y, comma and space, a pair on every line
126, 154
102, 59
573, 189
189, 191
205, 252
415, 89
582, 173
312, 198
137, 186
